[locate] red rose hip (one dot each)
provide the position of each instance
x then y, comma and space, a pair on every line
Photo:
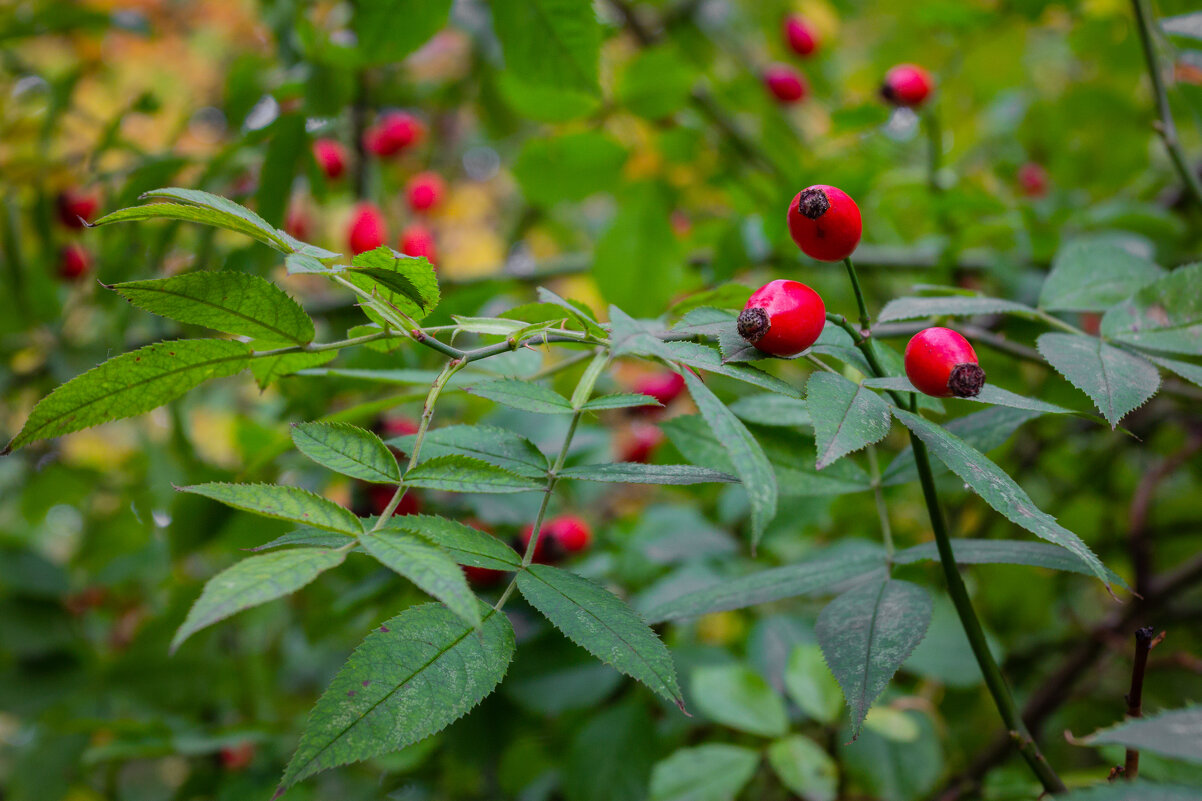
367, 230
907, 85
1033, 180
425, 191
782, 318
800, 35
825, 223
559, 537
665, 386
76, 207
418, 240
331, 157
941, 363
393, 133
785, 83
73, 262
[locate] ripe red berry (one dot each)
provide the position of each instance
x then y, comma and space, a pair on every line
559, 536
801, 37
425, 191
379, 496
367, 230
825, 223
73, 262
641, 442
665, 386
782, 318
393, 133
785, 83
74, 204
1033, 180
331, 157
941, 363
237, 757
907, 85
482, 577
397, 426
418, 240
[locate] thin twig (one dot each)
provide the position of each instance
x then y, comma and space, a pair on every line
1145, 641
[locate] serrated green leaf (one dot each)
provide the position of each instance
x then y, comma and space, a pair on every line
805, 768
997, 489
846, 416
268, 369
709, 772
990, 394
497, 446
638, 473
494, 326
523, 395
455, 473
1137, 790
1115, 380
622, 400
347, 449
236, 303
602, 624
1009, 552
708, 321
283, 503
811, 684
407, 282
550, 43
735, 349
949, 306
1188, 370
983, 430
738, 697
386, 31
415, 675
867, 633
1093, 276
130, 384
306, 536
750, 464
1166, 315
1176, 733
772, 410
260, 231
427, 567
774, 584
254, 581
464, 544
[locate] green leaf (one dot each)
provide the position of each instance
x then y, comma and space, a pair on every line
772, 410
268, 369
990, 394
427, 567
1189, 371
774, 584
497, 446
945, 654
805, 768
949, 306
710, 772
997, 489
1176, 734
1009, 552
236, 303
738, 697
464, 544
638, 473
983, 430
889, 766
130, 384
867, 633
550, 43
415, 675
1093, 276
708, 321
387, 31
611, 755
1115, 380
254, 581
811, 685
259, 230
465, 474
602, 624
750, 463
283, 503
306, 536
570, 167
407, 282
1166, 315
523, 395
847, 417
623, 400
708, 359
656, 83
1138, 790
636, 263
347, 449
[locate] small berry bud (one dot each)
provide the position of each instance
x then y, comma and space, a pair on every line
785, 83
941, 363
418, 240
331, 157
907, 85
367, 231
825, 223
393, 133
75, 207
73, 262
425, 191
782, 318
800, 35
1033, 180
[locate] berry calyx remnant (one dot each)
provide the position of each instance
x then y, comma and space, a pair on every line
825, 222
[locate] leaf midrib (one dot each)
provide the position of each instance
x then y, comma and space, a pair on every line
147, 287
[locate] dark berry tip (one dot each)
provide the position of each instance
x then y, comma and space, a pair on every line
966, 380
887, 92
813, 203
753, 323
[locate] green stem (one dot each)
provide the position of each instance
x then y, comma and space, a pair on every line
1165, 126
865, 320
398, 320
882, 510
318, 347
1056, 322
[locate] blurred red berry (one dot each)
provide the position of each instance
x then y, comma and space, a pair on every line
331, 157
73, 262
800, 35
907, 85
942, 363
558, 537
785, 83
425, 191
643, 439
238, 757
297, 222
380, 495
397, 426
75, 207
665, 386
367, 231
394, 132
482, 577
418, 240
1033, 180
825, 223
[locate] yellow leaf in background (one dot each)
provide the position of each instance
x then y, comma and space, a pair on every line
469, 202
822, 16
720, 628
102, 448
212, 435
582, 288
470, 251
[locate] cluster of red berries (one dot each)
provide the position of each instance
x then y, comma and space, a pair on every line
638, 440
75, 208
783, 317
